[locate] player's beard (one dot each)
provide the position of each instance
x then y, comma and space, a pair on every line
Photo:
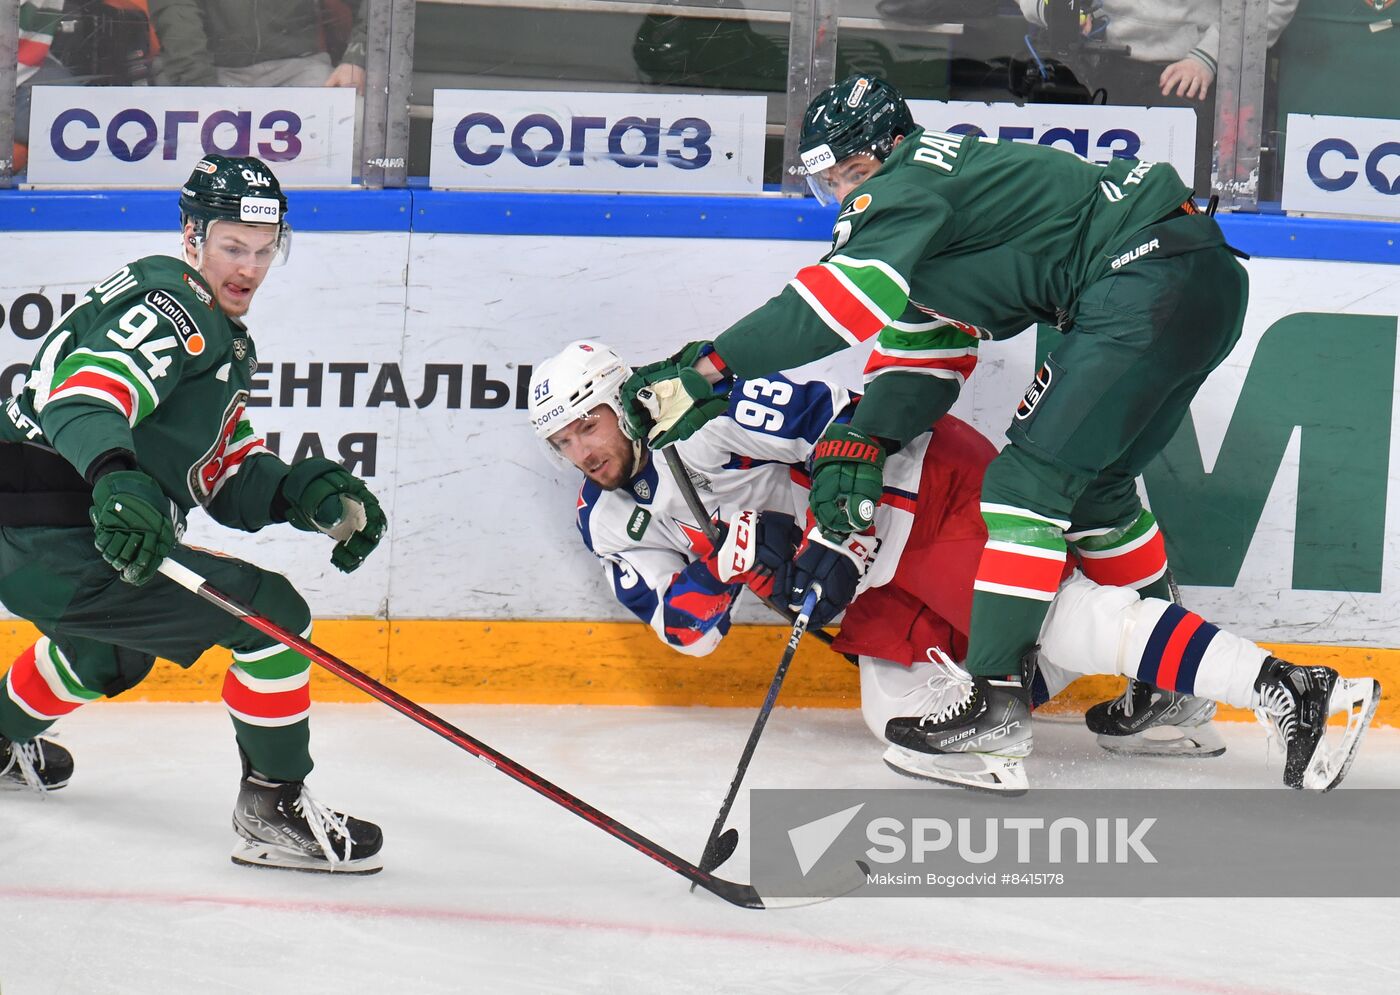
622, 467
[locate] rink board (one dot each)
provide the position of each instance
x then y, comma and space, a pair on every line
618, 663
1277, 495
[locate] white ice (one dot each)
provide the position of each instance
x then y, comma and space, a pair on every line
121, 882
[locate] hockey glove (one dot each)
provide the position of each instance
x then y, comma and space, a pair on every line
754, 546
133, 524
322, 496
668, 401
847, 479
835, 564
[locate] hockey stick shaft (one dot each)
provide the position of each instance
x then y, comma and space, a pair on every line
697, 508
709, 858
737, 894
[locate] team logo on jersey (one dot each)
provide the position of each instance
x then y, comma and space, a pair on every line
240, 349
857, 206
1378, 5
1039, 387
637, 524
642, 489
205, 297
174, 312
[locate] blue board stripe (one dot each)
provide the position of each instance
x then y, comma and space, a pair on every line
615, 215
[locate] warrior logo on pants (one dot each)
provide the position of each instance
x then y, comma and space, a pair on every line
1038, 389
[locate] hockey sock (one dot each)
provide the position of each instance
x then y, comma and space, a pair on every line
268, 694
39, 689
1131, 555
1178, 650
1020, 570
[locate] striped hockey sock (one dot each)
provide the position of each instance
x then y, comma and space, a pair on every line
1178, 650
1133, 555
40, 688
268, 695
1020, 570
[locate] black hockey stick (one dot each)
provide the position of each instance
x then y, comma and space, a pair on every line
738, 894
719, 847
697, 508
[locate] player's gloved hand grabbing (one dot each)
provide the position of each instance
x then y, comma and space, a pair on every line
754, 546
848, 473
133, 525
668, 401
322, 496
835, 563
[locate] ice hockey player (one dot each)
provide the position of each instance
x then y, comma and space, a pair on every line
909, 579
991, 237
133, 414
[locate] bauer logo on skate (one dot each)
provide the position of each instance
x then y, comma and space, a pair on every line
629, 142
125, 136
1342, 165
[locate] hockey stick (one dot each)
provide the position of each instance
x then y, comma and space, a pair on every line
719, 847
697, 508
737, 894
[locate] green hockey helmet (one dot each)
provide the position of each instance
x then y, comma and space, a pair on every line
235, 188
859, 114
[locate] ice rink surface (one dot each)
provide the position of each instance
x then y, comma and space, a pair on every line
121, 882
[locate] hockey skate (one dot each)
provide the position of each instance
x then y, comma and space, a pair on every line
37, 765
1148, 722
970, 732
280, 825
1294, 705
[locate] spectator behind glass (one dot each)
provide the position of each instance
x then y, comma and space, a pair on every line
38, 22
253, 43
1172, 47
1170, 58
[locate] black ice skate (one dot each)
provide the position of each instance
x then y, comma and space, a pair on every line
1148, 722
971, 732
1294, 704
37, 765
282, 826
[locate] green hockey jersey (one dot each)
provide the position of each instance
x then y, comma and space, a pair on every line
956, 238
147, 362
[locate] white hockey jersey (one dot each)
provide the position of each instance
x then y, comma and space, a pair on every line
753, 456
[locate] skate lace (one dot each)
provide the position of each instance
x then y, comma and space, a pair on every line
948, 689
28, 759
1278, 714
322, 820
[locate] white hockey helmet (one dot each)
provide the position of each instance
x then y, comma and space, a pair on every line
569, 385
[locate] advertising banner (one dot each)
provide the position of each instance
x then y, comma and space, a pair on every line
409, 358
1093, 132
625, 142
1342, 165
150, 136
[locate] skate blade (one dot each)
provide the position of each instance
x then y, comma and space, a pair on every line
1358, 698
1166, 741
988, 772
248, 853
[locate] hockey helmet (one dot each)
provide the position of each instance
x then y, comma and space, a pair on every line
859, 114
235, 188
568, 386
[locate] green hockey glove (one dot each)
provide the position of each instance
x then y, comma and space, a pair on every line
668, 401
133, 525
847, 480
322, 496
